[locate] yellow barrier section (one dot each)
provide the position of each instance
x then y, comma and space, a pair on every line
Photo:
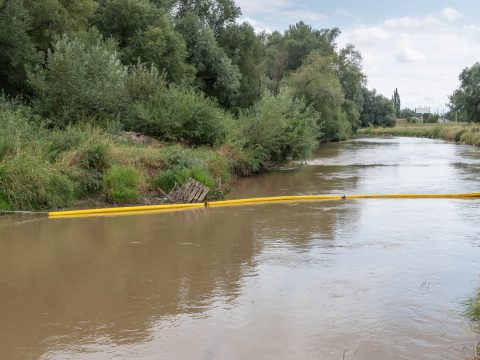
277, 199
274, 199
415, 196
129, 209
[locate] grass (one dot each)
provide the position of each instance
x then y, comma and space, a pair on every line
42, 169
472, 311
456, 132
122, 184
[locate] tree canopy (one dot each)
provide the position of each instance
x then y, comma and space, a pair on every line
466, 99
73, 60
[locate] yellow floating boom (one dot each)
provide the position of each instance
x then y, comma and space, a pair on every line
277, 199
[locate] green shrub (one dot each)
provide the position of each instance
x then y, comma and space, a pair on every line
83, 78
177, 156
178, 113
62, 141
167, 179
4, 205
122, 184
18, 129
458, 135
95, 156
275, 130
203, 176
30, 182
472, 310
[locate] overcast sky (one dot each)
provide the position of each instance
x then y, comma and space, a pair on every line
419, 46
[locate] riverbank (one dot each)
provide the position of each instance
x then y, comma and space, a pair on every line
456, 132
47, 167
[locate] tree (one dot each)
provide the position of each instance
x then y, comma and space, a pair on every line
317, 83
396, 102
247, 51
466, 99
216, 75
17, 47
377, 110
278, 128
82, 78
407, 113
350, 74
163, 47
51, 18
298, 42
216, 14
122, 19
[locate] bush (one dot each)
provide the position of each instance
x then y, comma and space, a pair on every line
122, 184
166, 180
30, 182
177, 156
18, 128
278, 128
4, 205
472, 311
179, 114
62, 141
83, 78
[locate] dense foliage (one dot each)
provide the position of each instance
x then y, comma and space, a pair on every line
377, 110
465, 101
81, 73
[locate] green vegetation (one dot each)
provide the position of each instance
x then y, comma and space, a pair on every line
210, 98
465, 101
456, 132
396, 103
472, 311
122, 184
377, 110
166, 180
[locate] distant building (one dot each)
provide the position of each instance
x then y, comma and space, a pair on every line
442, 120
421, 111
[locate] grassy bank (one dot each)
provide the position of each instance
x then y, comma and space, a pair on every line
44, 167
78, 163
41, 168
456, 132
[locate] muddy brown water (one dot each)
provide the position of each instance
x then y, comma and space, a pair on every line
366, 279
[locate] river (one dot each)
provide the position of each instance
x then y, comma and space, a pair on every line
364, 279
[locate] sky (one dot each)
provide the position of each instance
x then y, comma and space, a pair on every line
419, 47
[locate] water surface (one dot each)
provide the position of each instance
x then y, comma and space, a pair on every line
367, 279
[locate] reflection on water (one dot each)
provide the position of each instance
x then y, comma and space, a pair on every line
370, 279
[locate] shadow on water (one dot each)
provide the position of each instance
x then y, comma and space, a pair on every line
65, 283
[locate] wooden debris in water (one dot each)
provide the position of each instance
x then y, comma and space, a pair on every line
190, 192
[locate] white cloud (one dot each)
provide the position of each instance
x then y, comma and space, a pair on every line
258, 26
413, 22
305, 15
409, 55
451, 14
286, 9
422, 56
256, 7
